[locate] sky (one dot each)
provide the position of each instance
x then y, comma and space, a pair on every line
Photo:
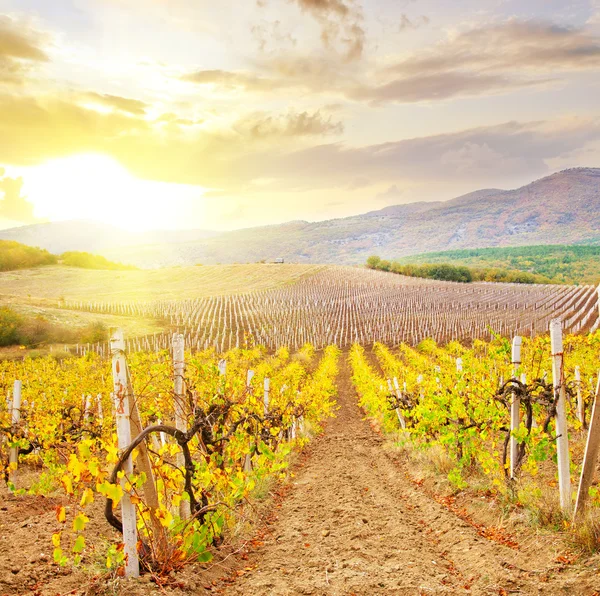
173, 114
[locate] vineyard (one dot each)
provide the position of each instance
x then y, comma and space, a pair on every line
207, 432
343, 305
460, 401
152, 456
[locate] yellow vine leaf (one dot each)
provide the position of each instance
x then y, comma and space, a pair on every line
87, 497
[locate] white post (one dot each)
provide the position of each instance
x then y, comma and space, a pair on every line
163, 436
398, 412
249, 377
180, 417
420, 383
515, 405
99, 404
267, 386
13, 456
122, 409
562, 441
88, 406
579, 396
222, 367
459, 365
590, 457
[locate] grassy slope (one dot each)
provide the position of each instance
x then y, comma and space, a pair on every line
49, 284
569, 263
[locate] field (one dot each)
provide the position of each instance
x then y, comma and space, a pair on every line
344, 305
69, 283
327, 430
45, 291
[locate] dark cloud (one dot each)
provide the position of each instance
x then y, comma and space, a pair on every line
20, 50
13, 206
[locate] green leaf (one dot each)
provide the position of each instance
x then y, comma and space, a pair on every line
79, 544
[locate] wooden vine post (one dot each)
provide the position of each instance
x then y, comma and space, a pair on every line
13, 456
579, 396
180, 414
398, 412
266, 387
515, 405
562, 439
590, 457
122, 410
143, 463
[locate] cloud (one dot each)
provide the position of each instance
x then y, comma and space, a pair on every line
13, 206
439, 86
122, 104
53, 126
231, 80
166, 149
406, 23
506, 47
484, 60
20, 50
341, 25
262, 126
281, 148
267, 33
289, 72
511, 151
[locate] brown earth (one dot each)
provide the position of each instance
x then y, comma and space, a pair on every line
349, 522
354, 524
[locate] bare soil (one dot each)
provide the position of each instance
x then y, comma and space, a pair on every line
354, 523
351, 521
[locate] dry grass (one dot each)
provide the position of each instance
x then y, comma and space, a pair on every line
48, 285
585, 533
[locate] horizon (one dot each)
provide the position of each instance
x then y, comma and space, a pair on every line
178, 116
151, 231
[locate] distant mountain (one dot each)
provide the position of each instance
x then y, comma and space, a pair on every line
89, 236
560, 209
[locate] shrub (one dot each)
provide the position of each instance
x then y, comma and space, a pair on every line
86, 260
14, 255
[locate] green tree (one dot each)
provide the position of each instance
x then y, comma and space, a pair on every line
373, 262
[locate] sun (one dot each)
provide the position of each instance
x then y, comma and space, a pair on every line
97, 187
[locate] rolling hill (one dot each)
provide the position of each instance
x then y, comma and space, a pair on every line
563, 208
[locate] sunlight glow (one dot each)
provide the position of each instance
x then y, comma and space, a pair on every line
96, 187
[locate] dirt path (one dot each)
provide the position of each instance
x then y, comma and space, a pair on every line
353, 524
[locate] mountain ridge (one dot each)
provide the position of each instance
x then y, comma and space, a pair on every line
562, 208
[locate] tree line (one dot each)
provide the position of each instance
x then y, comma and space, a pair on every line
458, 273
14, 255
